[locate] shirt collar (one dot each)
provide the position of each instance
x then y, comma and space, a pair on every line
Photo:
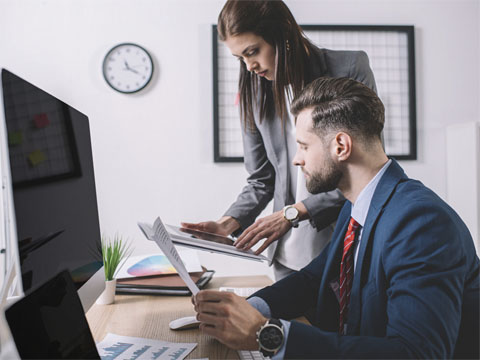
361, 206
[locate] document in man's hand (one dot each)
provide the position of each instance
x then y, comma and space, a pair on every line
159, 234
200, 240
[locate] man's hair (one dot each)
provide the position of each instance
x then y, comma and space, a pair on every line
342, 104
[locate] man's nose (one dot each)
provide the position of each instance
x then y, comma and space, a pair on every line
298, 160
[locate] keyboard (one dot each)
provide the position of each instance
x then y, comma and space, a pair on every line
240, 291
250, 355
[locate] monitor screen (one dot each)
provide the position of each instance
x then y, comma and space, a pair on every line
49, 323
52, 178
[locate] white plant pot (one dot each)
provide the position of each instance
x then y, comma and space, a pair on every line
108, 295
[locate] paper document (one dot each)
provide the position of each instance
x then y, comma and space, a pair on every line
160, 235
127, 347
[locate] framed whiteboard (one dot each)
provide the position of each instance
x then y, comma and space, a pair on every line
391, 50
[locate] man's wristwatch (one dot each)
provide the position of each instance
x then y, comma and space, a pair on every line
291, 213
270, 337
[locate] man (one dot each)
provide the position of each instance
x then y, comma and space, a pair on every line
400, 278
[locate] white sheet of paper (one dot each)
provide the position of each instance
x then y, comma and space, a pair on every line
127, 347
160, 235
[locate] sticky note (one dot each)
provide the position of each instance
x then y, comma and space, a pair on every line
15, 138
36, 157
237, 99
41, 120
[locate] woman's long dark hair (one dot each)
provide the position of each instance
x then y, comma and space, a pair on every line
273, 21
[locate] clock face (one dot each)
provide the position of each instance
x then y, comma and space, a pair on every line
128, 68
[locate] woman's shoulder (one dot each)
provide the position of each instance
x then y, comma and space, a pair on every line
337, 60
346, 63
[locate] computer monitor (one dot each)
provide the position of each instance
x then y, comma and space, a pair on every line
50, 204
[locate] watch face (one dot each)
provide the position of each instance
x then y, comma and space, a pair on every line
271, 338
128, 68
291, 213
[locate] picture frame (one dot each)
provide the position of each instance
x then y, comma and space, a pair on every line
391, 51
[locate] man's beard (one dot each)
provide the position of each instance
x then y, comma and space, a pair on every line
326, 180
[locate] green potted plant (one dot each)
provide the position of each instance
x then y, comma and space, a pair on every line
114, 253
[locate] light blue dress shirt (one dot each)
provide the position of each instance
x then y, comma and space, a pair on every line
359, 213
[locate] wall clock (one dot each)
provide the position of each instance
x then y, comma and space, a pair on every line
128, 68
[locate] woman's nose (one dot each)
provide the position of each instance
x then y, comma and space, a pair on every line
251, 65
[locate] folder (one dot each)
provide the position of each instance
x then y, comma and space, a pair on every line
170, 284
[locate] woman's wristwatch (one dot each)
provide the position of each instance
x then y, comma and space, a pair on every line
270, 337
291, 214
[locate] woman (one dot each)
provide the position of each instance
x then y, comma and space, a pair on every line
276, 62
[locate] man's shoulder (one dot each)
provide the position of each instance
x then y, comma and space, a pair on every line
411, 192
412, 204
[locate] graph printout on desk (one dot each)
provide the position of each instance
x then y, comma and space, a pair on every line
160, 235
126, 347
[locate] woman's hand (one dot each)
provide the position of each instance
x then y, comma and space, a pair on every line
225, 226
271, 227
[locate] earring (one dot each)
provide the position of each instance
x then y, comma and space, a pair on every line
287, 45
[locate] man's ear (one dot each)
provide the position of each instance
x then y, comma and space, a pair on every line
342, 146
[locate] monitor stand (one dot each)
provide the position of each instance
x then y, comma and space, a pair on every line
8, 349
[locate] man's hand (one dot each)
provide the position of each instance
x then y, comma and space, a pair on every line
271, 227
229, 318
225, 226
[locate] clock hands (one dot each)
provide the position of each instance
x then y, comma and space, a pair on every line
129, 68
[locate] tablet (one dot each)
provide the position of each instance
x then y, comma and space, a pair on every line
201, 240
49, 323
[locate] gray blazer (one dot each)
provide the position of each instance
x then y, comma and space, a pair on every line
266, 158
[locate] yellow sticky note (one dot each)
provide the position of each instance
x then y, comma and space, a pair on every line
37, 157
15, 138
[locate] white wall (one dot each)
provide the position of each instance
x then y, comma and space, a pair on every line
153, 151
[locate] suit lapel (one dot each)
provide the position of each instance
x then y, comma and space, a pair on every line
385, 188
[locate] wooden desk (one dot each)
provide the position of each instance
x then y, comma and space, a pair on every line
148, 316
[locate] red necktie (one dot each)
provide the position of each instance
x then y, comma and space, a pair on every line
346, 272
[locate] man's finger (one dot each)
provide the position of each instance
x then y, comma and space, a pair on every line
209, 319
211, 330
212, 295
210, 307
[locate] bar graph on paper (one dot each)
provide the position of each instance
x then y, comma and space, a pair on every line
114, 347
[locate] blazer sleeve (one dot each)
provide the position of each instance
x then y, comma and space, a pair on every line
293, 295
260, 187
424, 266
324, 208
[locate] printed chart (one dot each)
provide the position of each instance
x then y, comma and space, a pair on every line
133, 348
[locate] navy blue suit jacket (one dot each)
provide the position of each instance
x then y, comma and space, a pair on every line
415, 292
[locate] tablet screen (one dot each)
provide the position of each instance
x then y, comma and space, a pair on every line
195, 234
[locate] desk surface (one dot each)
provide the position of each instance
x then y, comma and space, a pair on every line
148, 316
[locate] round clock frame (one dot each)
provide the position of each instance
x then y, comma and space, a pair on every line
123, 77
